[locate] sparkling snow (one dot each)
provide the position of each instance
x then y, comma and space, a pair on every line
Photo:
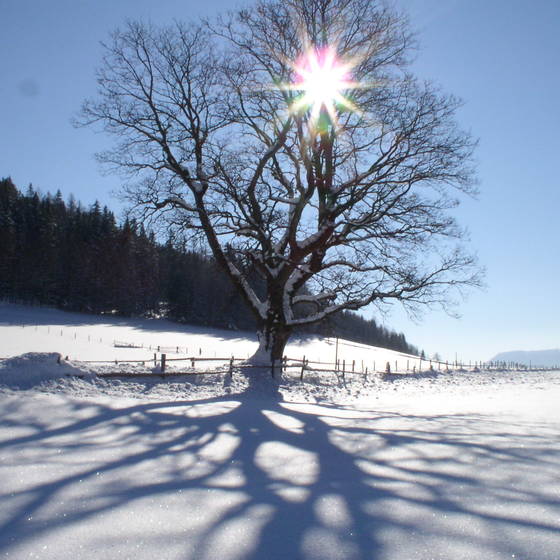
436, 466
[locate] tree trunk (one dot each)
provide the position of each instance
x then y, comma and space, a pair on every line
272, 342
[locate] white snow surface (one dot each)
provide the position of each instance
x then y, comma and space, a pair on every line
459, 465
90, 337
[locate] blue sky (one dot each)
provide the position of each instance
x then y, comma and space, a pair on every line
501, 57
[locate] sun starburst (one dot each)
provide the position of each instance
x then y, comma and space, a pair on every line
324, 81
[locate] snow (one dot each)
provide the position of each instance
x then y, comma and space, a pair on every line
261, 307
35, 368
89, 337
414, 467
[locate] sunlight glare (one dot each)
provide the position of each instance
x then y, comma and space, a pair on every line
322, 78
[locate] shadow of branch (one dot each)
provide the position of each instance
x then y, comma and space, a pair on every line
290, 480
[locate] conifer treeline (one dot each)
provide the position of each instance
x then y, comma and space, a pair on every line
60, 254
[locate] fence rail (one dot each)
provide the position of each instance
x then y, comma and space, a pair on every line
401, 365
287, 363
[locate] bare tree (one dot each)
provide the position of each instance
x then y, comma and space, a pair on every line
292, 137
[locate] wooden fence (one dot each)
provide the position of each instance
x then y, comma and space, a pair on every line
301, 366
404, 365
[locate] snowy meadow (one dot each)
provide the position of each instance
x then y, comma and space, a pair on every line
456, 465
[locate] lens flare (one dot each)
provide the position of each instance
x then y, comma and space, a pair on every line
323, 80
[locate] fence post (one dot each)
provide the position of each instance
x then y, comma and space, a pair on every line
155, 361
163, 356
336, 354
192, 363
302, 368
231, 367
285, 364
343, 369
353, 364
388, 368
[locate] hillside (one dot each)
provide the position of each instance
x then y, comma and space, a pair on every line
80, 337
79, 259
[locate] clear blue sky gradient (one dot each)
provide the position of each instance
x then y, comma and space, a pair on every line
500, 56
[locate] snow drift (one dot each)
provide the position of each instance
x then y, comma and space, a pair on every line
36, 369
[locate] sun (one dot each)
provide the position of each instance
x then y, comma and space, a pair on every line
323, 80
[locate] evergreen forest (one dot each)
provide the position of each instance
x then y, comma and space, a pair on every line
63, 255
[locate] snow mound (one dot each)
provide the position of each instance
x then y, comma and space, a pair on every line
35, 369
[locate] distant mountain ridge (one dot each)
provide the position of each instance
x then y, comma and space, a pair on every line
530, 357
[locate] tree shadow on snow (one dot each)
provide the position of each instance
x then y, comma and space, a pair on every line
29, 316
243, 478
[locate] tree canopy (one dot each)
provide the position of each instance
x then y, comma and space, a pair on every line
293, 139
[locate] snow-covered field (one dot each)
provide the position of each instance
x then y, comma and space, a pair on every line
448, 466
89, 337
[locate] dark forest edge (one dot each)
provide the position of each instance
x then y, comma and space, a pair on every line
76, 259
